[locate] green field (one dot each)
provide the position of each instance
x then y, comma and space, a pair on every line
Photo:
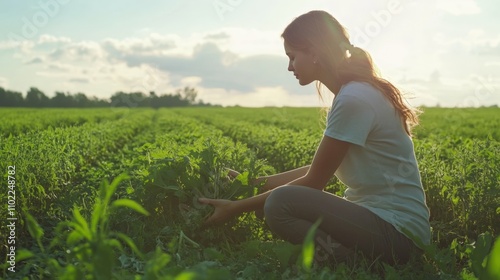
111, 193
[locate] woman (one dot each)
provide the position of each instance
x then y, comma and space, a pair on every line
366, 144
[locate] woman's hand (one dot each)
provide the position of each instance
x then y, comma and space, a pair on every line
224, 210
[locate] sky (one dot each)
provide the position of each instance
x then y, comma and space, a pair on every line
439, 52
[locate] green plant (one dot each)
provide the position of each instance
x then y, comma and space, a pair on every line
90, 245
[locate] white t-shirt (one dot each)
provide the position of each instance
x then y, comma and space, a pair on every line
379, 169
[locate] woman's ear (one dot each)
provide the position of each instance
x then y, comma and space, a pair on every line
315, 59
313, 55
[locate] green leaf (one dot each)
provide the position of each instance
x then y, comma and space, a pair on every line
307, 255
114, 243
35, 230
284, 252
156, 264
481, 250
97, 215
492, 270
130, 243
170, 187
243, 178
130, 204
74, 237
111, 188
212, 254
23, 254
187, 275
83, 225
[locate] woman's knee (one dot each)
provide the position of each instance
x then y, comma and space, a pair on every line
281, 199
274, 202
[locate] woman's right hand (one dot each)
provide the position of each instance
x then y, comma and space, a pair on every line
224, 210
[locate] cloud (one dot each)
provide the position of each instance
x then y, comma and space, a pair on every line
459, 7
23, 47
47, 39
79, 80
475, 41
79, 51
153, 44
59, 67
489, 49
4, 82
191, 81
221, 69
217, 36
36, 60
475, 90
201, 60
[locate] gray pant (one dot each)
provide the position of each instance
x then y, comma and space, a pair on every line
291, 210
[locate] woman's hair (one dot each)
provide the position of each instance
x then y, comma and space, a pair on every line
320, 32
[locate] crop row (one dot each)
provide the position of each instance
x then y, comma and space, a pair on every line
22, 120
49, 163
297, 119
439, 123
450, 123
285, 149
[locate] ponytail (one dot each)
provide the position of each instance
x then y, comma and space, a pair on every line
359, 66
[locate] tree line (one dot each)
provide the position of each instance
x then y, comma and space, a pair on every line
37, 99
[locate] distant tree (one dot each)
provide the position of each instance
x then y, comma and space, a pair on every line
131, 100
120, 99
11, 98
36, 98
82, 101
189, 94
59, 100
153, 100
96, 102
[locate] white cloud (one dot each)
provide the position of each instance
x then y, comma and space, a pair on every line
21, 47
88, 51
59, 67
47, 38
472, 91
247, 42
4, 82
459, 7
35, 60
473, 40
191, 81
153, 44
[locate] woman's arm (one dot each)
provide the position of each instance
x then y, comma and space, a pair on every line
283, 178
327, 159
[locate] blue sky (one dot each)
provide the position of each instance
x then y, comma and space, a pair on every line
444, 52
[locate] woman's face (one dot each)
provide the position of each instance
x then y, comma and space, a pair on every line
302, 65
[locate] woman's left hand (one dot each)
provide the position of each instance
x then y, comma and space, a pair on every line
224, 210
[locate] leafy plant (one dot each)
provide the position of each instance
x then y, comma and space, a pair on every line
90, 245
